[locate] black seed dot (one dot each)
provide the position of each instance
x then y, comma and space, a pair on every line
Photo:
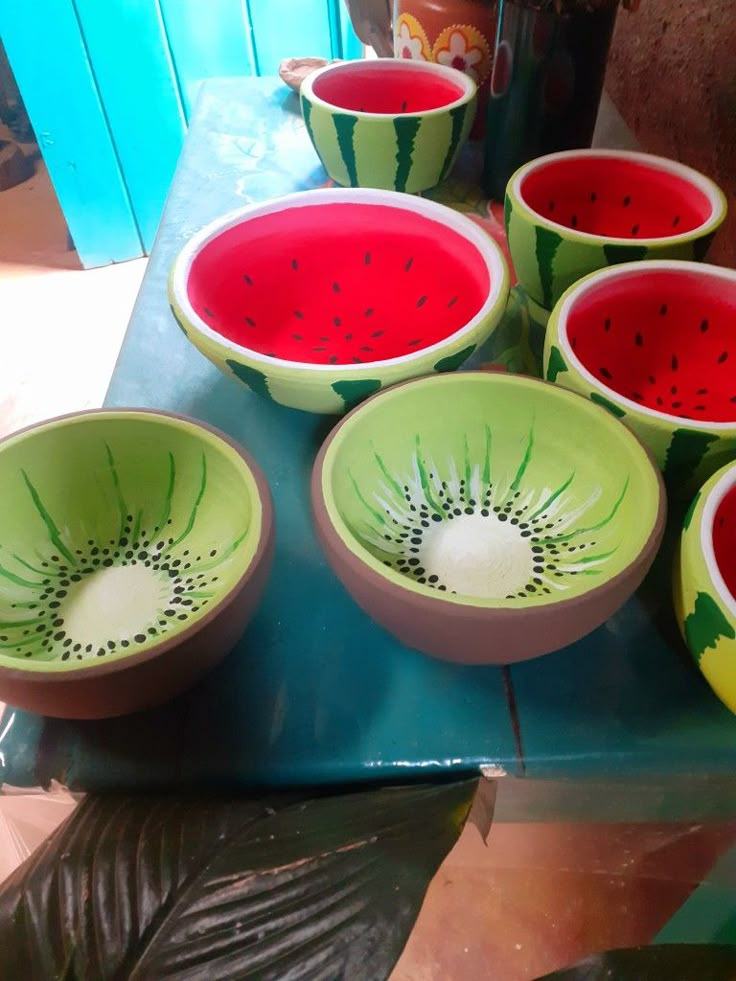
574, 221
675, 221
170, 613
54, 605
65, 656
722, 357
674, 362
182, 616
111, 644
634, 229
627, 201
663, 310
101, 651
704, 325
67, 642
605, 373
107, 562
638, 340
139, 638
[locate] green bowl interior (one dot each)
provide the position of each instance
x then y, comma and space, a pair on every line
118, 531
490, 490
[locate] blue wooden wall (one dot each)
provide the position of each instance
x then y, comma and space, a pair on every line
109, 86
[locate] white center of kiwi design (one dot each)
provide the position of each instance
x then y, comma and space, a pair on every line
462, 529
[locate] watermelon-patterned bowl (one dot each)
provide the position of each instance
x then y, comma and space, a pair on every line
570, 213
318, 299
705, 582
486, 518
134, 547
392, 124
653, 342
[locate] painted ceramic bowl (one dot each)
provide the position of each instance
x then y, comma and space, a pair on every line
318, 299
388, 123
570, 213
705, 583
134, 547
461, 515
653, 343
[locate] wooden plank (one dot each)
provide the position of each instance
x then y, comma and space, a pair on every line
207, 40
284, 29
350, 46
128, 50
47, 54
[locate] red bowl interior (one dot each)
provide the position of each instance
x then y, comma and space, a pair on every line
338, 283
662, 338
724, 539
615, 198
386, 90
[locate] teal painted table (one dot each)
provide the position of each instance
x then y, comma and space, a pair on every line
315, 693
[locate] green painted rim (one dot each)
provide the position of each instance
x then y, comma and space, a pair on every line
712, 191
111, 515
496, 448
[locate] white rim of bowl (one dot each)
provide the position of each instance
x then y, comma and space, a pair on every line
489, 252
712, 191
713, 502
589, 284
396, 64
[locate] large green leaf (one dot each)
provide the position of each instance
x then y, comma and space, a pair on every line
228, 888
665, 962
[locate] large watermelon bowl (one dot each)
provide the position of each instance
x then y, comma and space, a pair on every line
318, 299
570, 213
388, 123
653, 342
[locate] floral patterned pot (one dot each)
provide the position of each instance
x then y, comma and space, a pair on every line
456, 33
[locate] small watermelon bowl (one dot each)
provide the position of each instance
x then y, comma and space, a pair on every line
318, 299
570, 213
705, 583
462, 517
388, 123
134, 548
653, 343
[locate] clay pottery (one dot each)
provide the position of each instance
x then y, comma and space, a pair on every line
547, 82
569, 214
462, 517
134, 547
705, 583
318, 299
397, 125
460, 34
652, 342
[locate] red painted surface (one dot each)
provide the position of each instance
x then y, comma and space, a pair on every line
389, 91
616, 198
724, 539
338, 283
663, 339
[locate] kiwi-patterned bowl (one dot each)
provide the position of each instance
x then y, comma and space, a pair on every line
318, 299
486, 518
570, 213
134, 547
653, 342
705, 582
389, 123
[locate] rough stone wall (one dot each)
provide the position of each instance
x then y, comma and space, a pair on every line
672, 74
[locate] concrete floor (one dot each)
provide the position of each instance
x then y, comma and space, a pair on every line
533, 897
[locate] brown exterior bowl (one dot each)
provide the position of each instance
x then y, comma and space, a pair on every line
160, 672
450, 630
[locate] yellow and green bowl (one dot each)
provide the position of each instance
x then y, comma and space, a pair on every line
319, 299
705, 583
484, 517
570, 213
653, 342
134, 548
388, 123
